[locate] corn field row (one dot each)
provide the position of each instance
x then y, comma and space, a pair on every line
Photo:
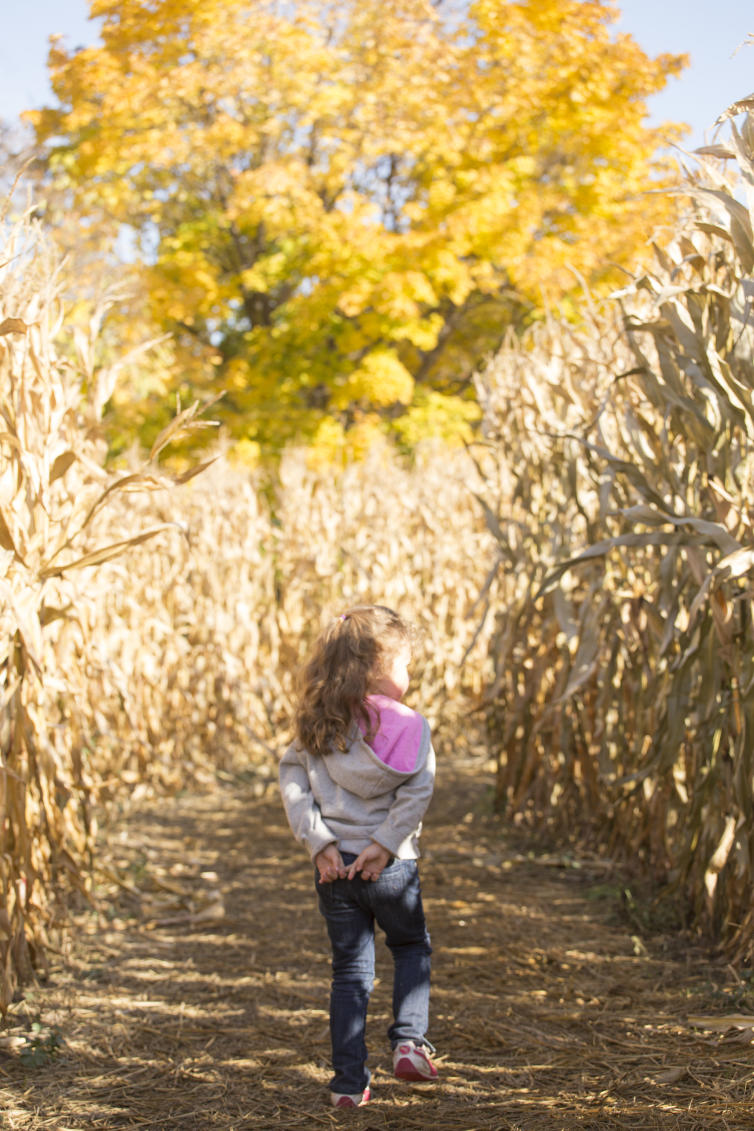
150, 624
622, 705
584, 578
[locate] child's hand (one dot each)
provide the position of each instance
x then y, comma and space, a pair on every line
370, 862
329, 864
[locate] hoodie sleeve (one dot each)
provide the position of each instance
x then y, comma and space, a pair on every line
412, 798
303, 812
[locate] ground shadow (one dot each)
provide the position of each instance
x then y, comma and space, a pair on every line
198, 997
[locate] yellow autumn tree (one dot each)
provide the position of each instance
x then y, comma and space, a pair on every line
342, 205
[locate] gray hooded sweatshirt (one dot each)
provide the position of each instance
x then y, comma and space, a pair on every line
376, 791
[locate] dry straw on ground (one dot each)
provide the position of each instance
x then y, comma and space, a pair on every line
200, 999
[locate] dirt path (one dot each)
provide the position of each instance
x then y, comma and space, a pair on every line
200, 999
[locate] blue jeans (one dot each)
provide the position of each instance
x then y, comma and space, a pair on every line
351, 908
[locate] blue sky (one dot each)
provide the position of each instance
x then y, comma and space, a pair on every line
713, 33
710, 31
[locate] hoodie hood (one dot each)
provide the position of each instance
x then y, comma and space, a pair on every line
398, 750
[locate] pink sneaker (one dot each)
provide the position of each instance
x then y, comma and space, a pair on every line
342, 1099
412, 1061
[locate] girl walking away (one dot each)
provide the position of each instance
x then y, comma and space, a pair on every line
356, 783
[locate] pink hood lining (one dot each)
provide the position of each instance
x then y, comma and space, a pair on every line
397, 742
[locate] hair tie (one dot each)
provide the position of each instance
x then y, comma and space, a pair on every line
343, 616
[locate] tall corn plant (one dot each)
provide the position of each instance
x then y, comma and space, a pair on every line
176, 660
622, 707
547, 418
54, 489
194, 654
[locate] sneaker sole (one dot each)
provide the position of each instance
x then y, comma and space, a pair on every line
405, 1069
347, 1102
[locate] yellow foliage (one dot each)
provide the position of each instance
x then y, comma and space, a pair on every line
246, 452
447, 418
328, 444
380, 380
333, 445
399, 192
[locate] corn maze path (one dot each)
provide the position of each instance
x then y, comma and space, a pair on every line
196, 996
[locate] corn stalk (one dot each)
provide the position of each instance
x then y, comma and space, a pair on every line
150, 624
54, 491
622, 705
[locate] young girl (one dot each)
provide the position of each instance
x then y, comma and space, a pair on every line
355, 784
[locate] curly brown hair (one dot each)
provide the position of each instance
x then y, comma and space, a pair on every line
347, 659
